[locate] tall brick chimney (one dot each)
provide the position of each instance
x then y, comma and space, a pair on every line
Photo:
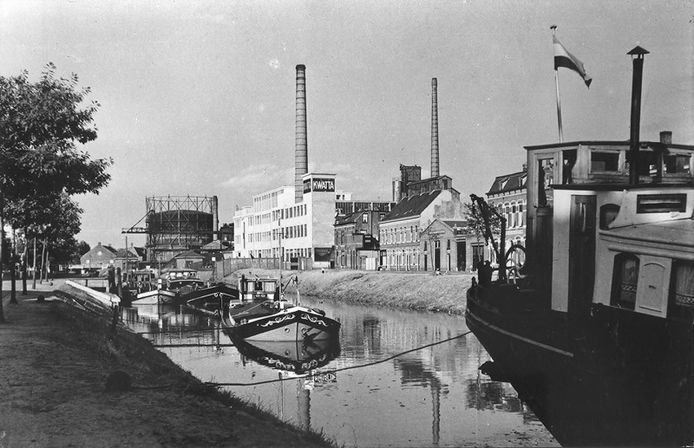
434, 130
301, 141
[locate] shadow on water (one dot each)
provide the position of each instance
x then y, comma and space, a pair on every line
375, 387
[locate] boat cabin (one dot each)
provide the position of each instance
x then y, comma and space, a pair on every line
256, 288
139, 280
175, 279
596, 236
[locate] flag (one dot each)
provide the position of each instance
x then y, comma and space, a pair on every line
563, 58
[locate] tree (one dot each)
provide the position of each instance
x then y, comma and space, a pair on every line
42, 128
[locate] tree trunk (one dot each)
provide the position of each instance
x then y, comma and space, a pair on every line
33, 270
47, 264
13, 269
23, 265
2, 250
43, 260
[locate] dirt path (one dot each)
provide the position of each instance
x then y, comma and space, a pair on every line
55, 362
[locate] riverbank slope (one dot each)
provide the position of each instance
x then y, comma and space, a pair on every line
411, 290
56, 359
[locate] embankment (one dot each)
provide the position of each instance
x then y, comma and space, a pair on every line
56, 358
417, 291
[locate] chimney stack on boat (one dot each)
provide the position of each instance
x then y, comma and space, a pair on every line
434, 130
637, 54
666, 137
301, 142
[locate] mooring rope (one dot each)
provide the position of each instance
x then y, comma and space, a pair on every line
360, 366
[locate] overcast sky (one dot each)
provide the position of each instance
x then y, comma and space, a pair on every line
199, 97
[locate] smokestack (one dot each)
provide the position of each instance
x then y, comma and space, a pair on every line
434, 130
637, 54
215, 218
301, 142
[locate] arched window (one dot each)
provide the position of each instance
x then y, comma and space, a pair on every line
624, 280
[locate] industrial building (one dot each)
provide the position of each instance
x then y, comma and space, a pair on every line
176, 224
404, 245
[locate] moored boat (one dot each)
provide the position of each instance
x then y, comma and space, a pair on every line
596, 332
155, 296
212, 300
278, 319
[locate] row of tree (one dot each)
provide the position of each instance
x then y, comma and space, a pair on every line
43, 128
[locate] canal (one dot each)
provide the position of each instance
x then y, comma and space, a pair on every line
397, 378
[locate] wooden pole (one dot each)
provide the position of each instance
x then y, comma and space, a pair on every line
2, 251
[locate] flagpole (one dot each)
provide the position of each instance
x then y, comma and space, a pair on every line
556, 83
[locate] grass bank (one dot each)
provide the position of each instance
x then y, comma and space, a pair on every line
411, 290
58, 356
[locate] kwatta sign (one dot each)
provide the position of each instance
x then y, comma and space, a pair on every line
319, 184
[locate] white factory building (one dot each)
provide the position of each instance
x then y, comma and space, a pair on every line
276, 222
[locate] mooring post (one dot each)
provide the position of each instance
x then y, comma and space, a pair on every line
119, 283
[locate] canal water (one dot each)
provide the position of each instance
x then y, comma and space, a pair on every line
397, 378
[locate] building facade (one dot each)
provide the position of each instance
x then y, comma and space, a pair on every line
508, 194
356, 240
400, 231
445, 246
276, 226
98, 257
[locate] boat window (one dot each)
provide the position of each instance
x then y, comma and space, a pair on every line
683, 283
624, 280
661, 203
604, 161
608, 213
677, 164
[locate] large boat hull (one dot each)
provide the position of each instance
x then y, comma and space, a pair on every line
291, 324
603, 380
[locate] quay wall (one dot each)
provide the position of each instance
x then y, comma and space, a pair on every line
416, 291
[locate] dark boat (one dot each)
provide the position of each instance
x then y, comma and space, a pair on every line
298, 357
211, 300
596, 331
277, 319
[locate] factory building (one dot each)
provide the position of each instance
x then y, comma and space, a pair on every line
276, 220
408, 238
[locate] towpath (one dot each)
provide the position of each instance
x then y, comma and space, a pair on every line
55, 362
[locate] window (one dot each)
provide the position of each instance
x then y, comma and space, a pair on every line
604, 161
661, 203
365, 218
624, 281
676, 164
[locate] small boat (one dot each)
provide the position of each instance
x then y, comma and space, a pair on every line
596, 331
211, 300
278, 319
183, 280
298, 357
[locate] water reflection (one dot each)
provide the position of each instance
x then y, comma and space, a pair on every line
375, 389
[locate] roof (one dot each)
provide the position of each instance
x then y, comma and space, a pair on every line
130, 253
189, 254
213, 245
412, 206
455, 223
347, 219
509, 182
675, 233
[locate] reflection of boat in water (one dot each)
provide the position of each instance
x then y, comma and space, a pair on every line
277, 319
595, 332
290, 356
212, 299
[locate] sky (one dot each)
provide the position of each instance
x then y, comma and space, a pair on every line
198, 97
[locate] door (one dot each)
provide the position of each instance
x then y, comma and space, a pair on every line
460, 255
437, 255
581, 254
